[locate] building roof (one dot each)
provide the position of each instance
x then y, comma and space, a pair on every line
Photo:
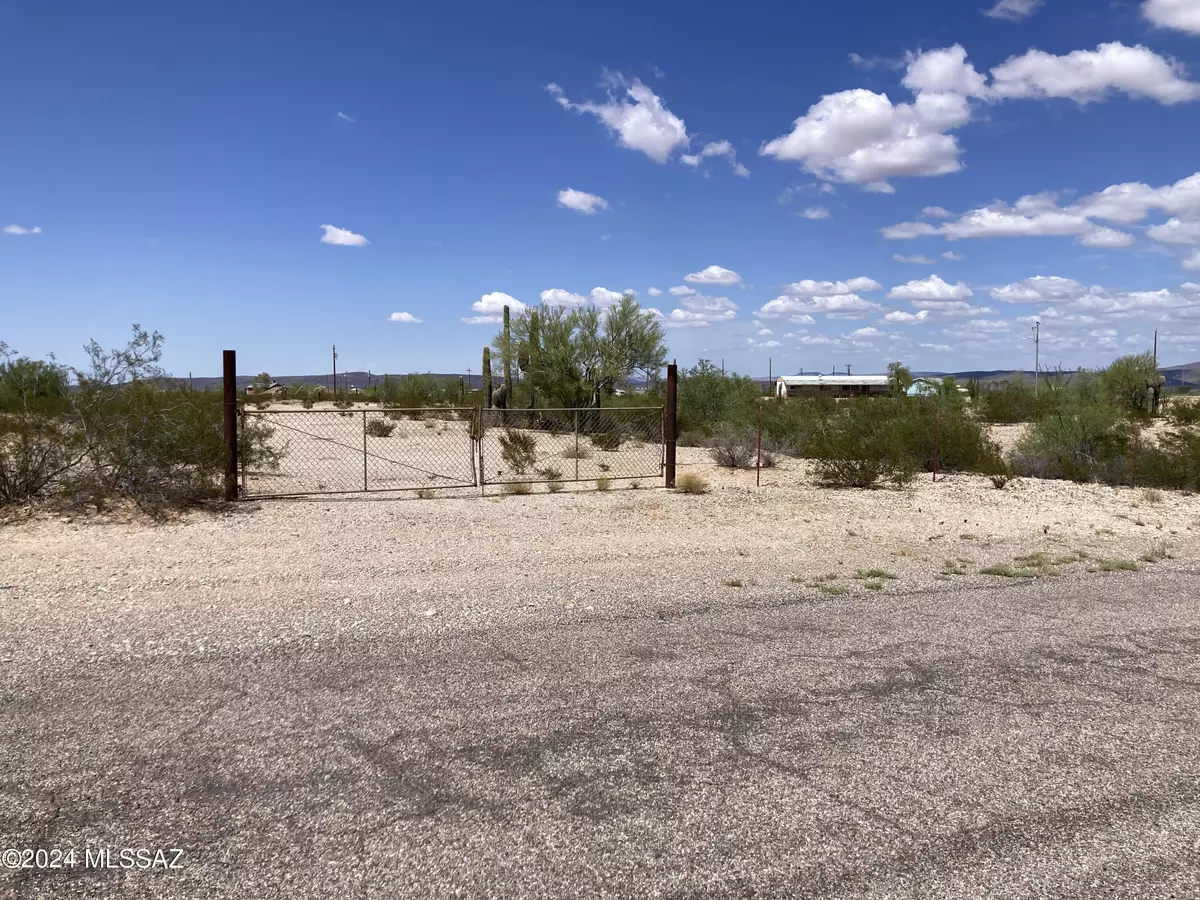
833, 380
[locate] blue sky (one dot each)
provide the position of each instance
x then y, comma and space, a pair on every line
797, 173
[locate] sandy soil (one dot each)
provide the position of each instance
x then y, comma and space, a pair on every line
284, 567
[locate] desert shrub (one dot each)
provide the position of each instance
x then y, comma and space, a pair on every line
554, 486
307, 403
963, 444
1184, 414
1126, 381
857, 447
1172, 463
603, 483
549, 473
517, 487
708, 397
766, 459
426, 493
580, 452
380, 428
1008, 402
31, 385
344, 404
691, 483
417, 390
691, 439
607, 440
518, 449
787, 424
1085, 440
36, 452
733, 449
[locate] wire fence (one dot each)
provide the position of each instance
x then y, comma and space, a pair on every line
333, 451
548, 445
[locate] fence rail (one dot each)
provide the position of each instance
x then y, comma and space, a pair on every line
340, 451
343, 451
544, 445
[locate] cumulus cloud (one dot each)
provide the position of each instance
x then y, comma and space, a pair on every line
815, 212
345, 118
581, 201
1043, 214
1013, 10
604, 297
405, 318
906, 318
936, 212
340, 237
1182, 15
712, 275
716, 148
952, 256
1087, 76
489, 308
18, 229
801, 308
560, 297
687, 318
931, 288
1039, 289
863, 137
809, 288
914, 258
636, 115
653, 292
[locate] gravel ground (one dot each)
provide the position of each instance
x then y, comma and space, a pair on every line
631, 693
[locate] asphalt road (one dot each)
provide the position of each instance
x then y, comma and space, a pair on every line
1037, 740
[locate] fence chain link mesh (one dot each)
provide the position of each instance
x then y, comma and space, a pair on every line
546, 445
331, 451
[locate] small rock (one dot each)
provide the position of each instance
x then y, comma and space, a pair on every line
430, 613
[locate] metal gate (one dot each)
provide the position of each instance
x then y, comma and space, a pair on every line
557, 445
287, 452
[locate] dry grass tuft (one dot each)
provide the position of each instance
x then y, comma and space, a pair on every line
691, 483
517, 487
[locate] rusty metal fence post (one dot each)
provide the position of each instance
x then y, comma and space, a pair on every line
1133, 478
229, 384
364, 412
758, 473
937, 419
670, 436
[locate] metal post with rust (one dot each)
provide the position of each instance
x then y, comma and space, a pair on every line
229, 380
937, 418
669, 437
1133, 479
758, 474
364, 412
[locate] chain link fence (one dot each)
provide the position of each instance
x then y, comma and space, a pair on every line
333, 451
557, 445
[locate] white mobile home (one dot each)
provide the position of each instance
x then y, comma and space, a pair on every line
830, 385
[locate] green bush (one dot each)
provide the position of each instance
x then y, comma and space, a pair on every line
1008, 402
380, 428
518, 449
36, 452
857, 447
708, 398
1086, 440
607, 440
734, 448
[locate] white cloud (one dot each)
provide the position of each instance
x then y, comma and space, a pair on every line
952, 256
1182, 15
680, 290
908, 230
686, 318
809, 288
717, 148
815, 212
1101, 236
713, 275
701, 304
345, 118
906, 318
1086, 76
1176, 231
406, 318
490, 308
1191, 263
1013, 10
581, 201
639, 118
937, 212
342, 238
653, 292
937, 348
836, 305
932, 288
914, 258
560, 297
604, 297
943, 73
18, 229
868, 332
1039, 289
763, 332
802, 319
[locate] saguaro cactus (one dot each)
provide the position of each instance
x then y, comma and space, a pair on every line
534, 350
507, 356
487, 376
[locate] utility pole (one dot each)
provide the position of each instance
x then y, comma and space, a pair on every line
847, 368
335, 371
1155, 349
1036, 359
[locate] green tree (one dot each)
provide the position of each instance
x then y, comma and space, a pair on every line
1128, 381
709, 397
900, 378
27, 383
573, 358
262, 382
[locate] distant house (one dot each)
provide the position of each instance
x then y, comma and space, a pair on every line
275, 386
830, 385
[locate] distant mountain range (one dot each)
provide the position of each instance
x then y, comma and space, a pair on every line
1186, 374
